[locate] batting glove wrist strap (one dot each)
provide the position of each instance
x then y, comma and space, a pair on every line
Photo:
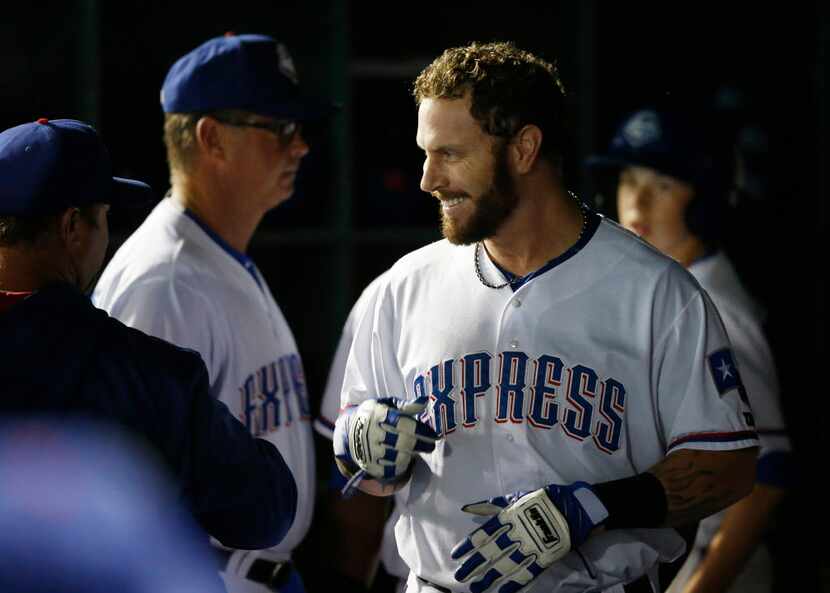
529, 532
580, 504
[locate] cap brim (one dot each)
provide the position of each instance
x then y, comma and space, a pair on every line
607, 163
130, 193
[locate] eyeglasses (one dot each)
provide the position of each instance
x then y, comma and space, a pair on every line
283, 129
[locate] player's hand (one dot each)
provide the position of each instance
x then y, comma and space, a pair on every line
529, 532
380, 436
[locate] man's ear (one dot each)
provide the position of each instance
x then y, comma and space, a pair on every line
210, 138
524, 149
69, 226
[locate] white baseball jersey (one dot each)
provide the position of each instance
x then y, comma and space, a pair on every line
175, 279
609, 359
330, 408
742, 319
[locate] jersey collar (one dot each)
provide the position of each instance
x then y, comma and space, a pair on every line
245, 261
591, 226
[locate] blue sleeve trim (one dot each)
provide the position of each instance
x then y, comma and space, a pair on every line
780, 432
336, 479
325, 422
776, 469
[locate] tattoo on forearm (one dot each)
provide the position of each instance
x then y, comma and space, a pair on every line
693, 489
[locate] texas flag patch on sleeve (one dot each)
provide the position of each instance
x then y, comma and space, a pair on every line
725, 373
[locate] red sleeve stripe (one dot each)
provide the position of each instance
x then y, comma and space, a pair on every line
714, 437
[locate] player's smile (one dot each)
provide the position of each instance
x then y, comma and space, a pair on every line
450, 203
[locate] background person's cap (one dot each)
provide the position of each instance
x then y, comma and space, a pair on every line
662, 140
49, 165
252, 73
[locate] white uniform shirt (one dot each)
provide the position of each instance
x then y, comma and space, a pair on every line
594, 370
742, 319
173, 280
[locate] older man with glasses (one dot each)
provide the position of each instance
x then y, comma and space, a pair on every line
233, 113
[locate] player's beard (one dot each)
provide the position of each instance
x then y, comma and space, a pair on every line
490, 209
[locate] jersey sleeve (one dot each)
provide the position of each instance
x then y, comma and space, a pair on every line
330, 405
775, 466
372, 368
759, 375
179, 313
701, 398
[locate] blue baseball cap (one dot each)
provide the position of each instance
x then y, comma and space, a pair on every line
49, 165
252, 73
660, 139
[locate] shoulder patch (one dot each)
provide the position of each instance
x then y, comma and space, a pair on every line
725, 371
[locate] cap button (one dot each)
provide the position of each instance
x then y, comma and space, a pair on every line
43, 120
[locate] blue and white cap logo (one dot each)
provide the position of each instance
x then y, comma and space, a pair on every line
286, 64
643, 128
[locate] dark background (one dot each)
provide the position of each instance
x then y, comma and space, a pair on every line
358, 207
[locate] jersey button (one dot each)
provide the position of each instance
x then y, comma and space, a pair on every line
514, 344
510, 438
517, 303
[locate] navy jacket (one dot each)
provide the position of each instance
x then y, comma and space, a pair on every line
62, 356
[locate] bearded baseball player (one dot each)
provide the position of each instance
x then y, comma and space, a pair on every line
550, 395
672, 193
233, 118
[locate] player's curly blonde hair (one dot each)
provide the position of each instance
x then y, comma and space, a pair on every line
509, 88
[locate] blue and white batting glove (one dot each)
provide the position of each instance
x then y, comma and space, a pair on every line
529, 532
380, 437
